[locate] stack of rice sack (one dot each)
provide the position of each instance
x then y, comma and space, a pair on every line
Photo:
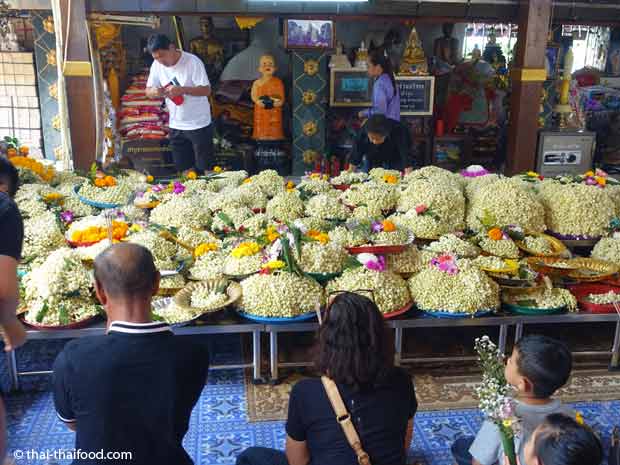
142, 117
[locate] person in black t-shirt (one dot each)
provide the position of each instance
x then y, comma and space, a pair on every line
11, 237
353, 350
132, 390
384, 143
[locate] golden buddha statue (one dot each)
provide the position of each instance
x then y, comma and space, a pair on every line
208, 49
413, 62
268, 98
361, 57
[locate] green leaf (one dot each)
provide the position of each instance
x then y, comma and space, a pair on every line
63, 315
515, 235
226, 220
297, 236
42, 312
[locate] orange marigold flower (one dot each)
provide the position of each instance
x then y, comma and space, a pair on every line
388, 226
496, 234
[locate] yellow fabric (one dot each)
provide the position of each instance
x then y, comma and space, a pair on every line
106, 33
114, 88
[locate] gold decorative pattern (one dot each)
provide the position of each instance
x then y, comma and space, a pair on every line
311, 67
51, 58
309, 97
310, 156
53, 90
59, 153
310, 128
48, 25
56, 122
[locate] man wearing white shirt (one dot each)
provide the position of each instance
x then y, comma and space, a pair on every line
181, 78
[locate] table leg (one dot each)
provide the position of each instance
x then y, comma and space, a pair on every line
398, 345
11, 359
256, 354
273, 355
503, 336
519, 332
615, 351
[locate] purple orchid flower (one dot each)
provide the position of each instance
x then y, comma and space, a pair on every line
67, 216
591, 182
377, 226
178, 188
158, 188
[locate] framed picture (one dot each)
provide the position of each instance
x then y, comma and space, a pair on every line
309, 33
350, 87
552, 60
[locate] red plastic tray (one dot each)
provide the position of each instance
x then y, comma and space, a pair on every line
342, 187
398, 312
581, 292
377, 249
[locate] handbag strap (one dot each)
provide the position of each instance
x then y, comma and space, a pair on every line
344, 420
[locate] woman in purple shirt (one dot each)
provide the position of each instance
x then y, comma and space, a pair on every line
385, 96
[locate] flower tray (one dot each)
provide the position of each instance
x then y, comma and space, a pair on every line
183, 298
592, 270
75, 325
530, 311
582, 291
454, 316
547, 265
400, 311
93, 203
277, 320
377, 249
557, 245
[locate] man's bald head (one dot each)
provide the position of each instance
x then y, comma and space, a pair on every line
123, 270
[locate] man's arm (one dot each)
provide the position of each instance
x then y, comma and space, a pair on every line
153, 92
198, 91
297, 452
13, 332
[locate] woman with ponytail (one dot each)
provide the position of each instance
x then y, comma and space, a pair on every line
385, 96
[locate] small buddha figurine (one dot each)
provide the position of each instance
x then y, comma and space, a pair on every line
339, 60
361, 57
413, 62
446, 47
208, 49
268, 98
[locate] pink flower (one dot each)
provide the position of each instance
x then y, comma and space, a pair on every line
420, 209
591, 182
445, 263
600, 173
376, 265
158, 188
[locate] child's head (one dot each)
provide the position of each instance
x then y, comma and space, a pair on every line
561, 440
378, 129
538, 366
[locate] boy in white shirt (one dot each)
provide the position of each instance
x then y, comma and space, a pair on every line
181, 78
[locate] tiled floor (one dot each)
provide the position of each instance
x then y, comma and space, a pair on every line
218, 428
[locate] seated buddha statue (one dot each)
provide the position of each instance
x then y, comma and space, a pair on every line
268, 98
209, 49
413, 62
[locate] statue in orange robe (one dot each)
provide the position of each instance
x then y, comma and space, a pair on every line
268, 98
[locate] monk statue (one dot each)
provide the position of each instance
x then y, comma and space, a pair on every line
208, 49
446, 47
268, 98
413, 62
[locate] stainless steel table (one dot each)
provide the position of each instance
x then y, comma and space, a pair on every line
232, 327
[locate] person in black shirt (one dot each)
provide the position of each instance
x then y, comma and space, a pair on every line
383, 144
353, 351
11, 237
132, 390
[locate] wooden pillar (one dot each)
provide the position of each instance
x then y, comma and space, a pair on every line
527, 80
79, 83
